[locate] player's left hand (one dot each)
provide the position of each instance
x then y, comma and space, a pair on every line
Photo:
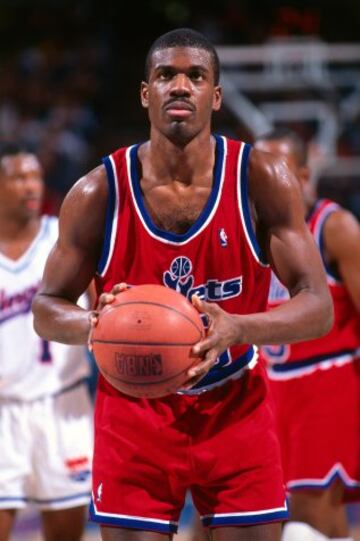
223, 332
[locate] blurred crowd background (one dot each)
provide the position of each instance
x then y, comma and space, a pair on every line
70, 74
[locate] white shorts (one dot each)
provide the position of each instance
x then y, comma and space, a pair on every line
46, 450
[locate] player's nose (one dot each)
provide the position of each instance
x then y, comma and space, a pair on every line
33, 185
180, 84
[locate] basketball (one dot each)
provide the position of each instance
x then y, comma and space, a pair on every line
142, 342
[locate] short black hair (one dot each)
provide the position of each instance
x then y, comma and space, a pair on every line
184, 37
12, 148
298, 145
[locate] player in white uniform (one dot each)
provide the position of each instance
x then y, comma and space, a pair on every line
45, 410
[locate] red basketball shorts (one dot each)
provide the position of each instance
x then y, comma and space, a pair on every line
221, 444
319, 428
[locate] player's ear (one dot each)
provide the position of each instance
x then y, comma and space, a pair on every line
144, 94
217, 99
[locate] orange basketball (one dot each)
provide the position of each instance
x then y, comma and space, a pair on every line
143, 340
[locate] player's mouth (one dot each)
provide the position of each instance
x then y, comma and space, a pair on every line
32, 203
179, 109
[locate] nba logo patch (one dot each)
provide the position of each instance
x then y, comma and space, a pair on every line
223, 238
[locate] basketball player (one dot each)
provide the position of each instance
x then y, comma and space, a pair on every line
204, 215
316, 383
45, 412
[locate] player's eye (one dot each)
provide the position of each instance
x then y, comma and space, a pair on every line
196, 75
165, 75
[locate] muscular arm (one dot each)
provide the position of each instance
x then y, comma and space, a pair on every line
293, 256
342, 246
72, 262
277, 203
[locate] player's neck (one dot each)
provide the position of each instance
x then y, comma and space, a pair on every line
187, 164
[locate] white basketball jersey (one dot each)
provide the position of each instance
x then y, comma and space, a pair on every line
31, 367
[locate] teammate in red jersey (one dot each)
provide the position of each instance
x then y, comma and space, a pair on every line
316, 383
201, 214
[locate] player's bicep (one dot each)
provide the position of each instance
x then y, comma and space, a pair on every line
295, 259
73, 260
290, 248
68, 272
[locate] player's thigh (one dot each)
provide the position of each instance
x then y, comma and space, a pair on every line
7, 517
324, 509
122, 534
64, 524
261, 532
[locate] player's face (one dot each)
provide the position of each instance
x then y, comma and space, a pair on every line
181, 93
21, 185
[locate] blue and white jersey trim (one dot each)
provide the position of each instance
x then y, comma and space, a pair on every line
243, 202
286, 371
111, 215
319, 238
205, 216
336, 472
220, 375
243, 519
134, 522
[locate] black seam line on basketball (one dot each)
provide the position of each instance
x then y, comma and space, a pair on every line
127, 382
158, 304
132, 343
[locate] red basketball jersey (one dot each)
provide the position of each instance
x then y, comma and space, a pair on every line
218, 258
338, 347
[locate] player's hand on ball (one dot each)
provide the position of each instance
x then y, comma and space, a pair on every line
222, 333
108, 298
104, 300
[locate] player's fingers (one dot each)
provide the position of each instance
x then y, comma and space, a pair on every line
204, 366
93, 319
204, 345
197, 303
119, 288
204, 307
190, 383
105, 298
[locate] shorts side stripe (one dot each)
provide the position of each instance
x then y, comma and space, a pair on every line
336, 472
248, 518
134, 522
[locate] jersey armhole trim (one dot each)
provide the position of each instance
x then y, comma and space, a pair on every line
111, 216
325, 213
243, 202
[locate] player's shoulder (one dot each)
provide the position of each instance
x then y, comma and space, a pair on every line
88, 193
82, 214
341, 221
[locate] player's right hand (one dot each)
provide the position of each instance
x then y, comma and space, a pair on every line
108, 298
104, 300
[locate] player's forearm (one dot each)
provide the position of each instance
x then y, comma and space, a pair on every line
304, 317
59, 320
